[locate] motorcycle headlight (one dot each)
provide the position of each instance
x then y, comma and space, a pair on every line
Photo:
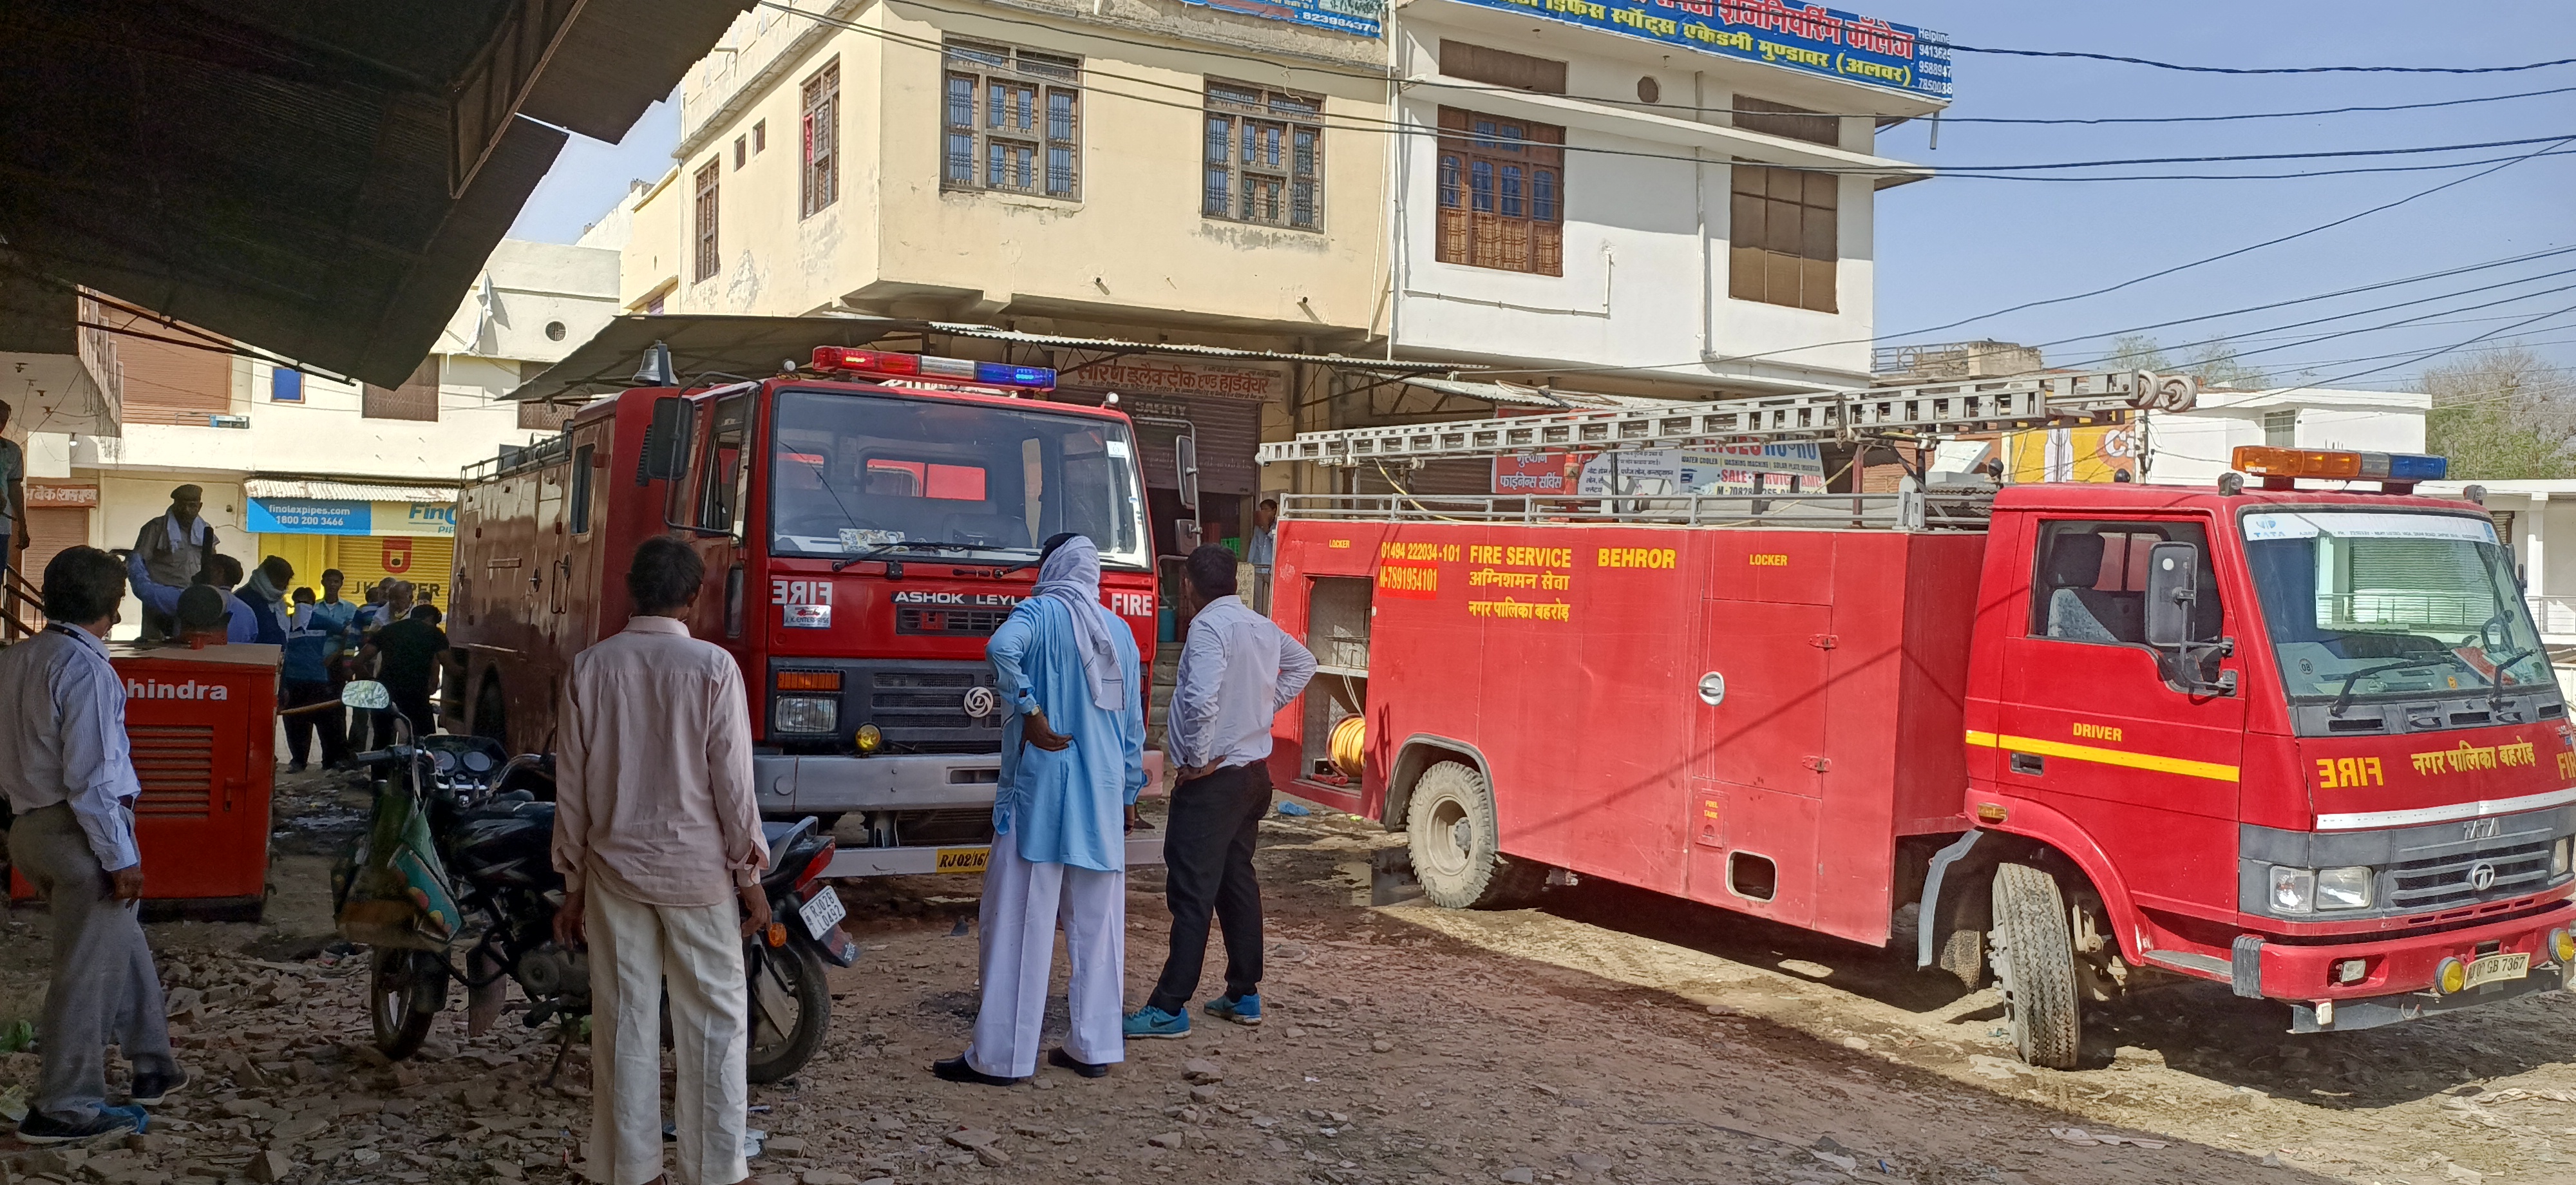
806, 713
2558, 856
2294, 890
2343, 888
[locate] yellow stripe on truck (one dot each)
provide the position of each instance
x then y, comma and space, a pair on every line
2119, 757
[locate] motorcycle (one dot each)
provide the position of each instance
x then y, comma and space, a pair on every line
461, 843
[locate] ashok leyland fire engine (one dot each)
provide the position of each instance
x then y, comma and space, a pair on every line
867, 522
2302, 741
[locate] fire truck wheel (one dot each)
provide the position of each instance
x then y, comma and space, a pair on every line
2034, 957
406, 990
1456, 844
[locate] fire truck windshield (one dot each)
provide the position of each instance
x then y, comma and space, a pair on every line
2367, 604
856, 474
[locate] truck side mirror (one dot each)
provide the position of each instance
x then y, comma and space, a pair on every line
666, 443
1185, 464
2173, 585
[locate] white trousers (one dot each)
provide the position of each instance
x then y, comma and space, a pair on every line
635, 950
1023, 904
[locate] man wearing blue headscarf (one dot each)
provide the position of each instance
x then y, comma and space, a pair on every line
1073, 761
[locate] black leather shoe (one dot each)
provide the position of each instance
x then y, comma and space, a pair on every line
1058, 1057
955, 1069
150, 1089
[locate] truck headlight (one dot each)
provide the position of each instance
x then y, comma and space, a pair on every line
2343, 888
805, 713
2558, 856
2294, 890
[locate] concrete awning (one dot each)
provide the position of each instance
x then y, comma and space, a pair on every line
319, 180
342, 490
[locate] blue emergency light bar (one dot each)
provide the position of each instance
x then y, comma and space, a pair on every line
892, 365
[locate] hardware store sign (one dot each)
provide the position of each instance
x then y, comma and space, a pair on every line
340, 516
1809, 38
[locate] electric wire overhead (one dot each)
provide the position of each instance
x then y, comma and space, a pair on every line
2104, 57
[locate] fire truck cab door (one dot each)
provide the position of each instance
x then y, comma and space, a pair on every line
719, 509
2093, 726
1757, 765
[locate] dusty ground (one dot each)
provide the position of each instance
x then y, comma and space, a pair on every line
1606, 1036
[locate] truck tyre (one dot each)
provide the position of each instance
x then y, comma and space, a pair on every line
1456, 845
2034, 958
492, 713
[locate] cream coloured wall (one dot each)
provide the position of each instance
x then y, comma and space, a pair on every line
1133, 247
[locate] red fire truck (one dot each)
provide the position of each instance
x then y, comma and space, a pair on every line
867, 522
2300, 740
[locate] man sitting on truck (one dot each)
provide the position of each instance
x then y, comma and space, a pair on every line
1060, 816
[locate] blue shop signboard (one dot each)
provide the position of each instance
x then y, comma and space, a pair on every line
1809, 38
1360, 18
311, 516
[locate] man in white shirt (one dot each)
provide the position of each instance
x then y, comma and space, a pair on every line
69, 775
1237, 671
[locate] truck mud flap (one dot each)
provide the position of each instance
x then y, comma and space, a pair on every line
1142, 850
2375, 1011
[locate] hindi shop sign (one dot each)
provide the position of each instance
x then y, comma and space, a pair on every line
1132, 377
1805, 37
1360, 18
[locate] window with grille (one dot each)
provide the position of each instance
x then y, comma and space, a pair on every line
1784, 237
820, 183
415, 399
1011, 120
1781, 119
1502, 193
2281, 429
707, 260
1265, 153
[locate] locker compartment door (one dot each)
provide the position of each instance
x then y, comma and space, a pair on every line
1758, 767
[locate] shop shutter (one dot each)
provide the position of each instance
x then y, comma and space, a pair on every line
1464, 478
432, 562
1228, 431
415, 399
53, 529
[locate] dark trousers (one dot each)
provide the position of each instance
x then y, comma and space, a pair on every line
301, 726
415, 707
1207, 858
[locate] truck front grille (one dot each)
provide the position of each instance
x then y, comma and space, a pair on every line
924, 711
2519, 865
950, 622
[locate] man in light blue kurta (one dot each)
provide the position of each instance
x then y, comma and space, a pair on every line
1073, 761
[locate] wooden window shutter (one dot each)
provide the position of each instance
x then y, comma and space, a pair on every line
165, 383
415, 399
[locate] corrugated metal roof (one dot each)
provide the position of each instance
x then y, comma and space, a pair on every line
344, 490
992, 333
1520, 396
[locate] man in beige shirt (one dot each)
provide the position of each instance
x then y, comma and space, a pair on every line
657, 836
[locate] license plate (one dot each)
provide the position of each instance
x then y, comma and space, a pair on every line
821, 912
963, 859
2495, 968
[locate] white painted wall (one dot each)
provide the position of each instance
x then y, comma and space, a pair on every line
1646, 239
2193, 449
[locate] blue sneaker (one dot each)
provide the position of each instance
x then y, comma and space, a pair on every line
1150, 1021
1243, 1010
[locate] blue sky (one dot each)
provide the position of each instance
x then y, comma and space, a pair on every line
1952, 247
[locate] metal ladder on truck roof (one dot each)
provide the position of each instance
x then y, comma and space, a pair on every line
1917, 411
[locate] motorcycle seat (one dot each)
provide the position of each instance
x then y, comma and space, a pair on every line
782, 836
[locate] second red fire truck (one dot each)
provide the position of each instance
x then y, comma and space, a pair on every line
866, 521
2299, 739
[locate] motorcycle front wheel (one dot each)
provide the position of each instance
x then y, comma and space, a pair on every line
790, 1007
406, 990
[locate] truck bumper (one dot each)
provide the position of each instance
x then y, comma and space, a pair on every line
2398, 981
923, 861
791, 785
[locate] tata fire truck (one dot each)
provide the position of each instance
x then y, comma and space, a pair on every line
2296, 737
867, 521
